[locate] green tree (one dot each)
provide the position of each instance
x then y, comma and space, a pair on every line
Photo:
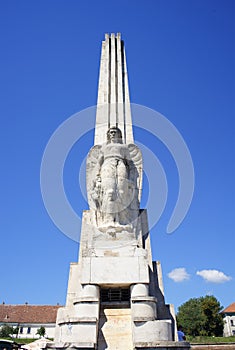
191, 317
214, 320
201, 316
16, 331
6, 331
41, 331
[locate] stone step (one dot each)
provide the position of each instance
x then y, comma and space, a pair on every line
213, 346
115, 330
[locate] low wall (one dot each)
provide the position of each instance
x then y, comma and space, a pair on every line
228, 346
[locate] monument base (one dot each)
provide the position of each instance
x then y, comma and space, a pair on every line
72, 346
162, 345
115, 296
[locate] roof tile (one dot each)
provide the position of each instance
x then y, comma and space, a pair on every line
28, 313
230, 308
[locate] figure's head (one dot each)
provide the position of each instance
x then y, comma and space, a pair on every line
114, 134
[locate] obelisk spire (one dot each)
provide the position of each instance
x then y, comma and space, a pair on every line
113, 105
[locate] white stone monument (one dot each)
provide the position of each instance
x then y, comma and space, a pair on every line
115, 297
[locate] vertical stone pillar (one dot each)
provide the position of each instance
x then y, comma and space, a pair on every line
113, 103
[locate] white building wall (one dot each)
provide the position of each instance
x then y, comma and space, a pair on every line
27, 330
229, 325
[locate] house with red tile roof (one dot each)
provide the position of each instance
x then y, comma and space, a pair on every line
29, 318
229, 318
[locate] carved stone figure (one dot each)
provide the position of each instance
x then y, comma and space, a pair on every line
114, 176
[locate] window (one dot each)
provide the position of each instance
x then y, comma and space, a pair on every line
21, 330
231, 322
115, 294
28, 330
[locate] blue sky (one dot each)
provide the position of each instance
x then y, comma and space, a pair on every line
180, 57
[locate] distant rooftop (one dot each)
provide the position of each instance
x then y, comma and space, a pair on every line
28, 313
229, 309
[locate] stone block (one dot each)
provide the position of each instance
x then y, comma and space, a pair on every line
140, 289
152, 331
87, 309
74, 287
113, 270
143, 308
84, 331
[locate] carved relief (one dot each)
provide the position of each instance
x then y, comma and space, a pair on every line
114, 180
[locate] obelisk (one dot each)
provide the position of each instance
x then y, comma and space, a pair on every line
115, 298
113, 103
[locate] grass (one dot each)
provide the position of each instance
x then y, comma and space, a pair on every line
210, 340
23, 340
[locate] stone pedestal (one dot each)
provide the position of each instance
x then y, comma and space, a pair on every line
112, 266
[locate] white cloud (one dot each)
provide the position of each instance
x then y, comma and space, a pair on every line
179, 274
213, 276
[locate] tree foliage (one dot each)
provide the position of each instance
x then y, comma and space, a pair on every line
41, 331
7, 331
201, 316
